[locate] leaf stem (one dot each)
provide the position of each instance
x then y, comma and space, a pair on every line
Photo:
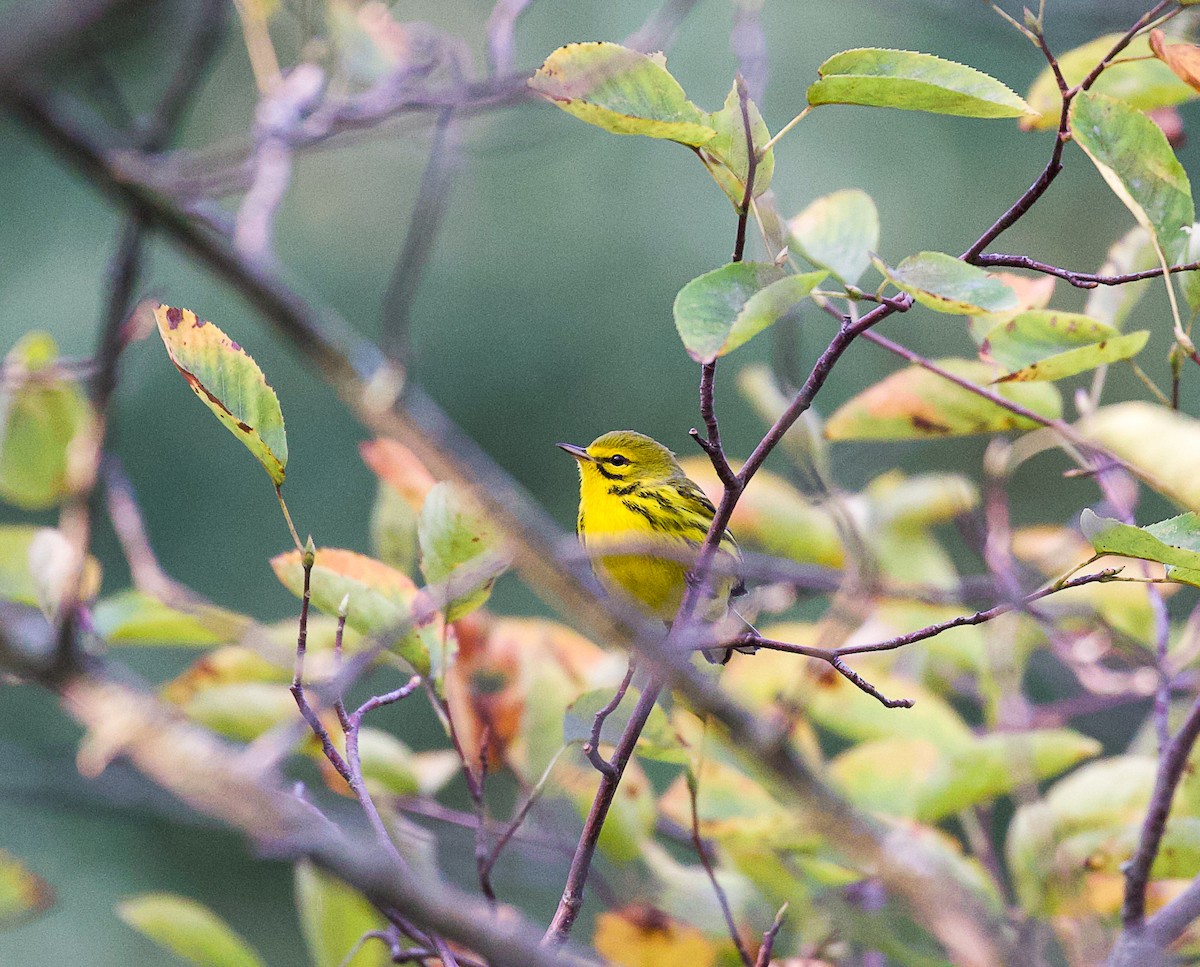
762, 152
288, 517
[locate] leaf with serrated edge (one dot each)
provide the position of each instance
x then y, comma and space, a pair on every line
452, 531
1174, 542
726, 154
1045, 344
1133, 156
1136, 78
838, 232
721, 310
912, 81
380, 596
914, 403
945, 284
188, 929
622, 91
225, 378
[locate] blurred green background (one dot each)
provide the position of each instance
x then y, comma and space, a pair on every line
544, 315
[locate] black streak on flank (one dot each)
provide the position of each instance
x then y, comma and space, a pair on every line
636, 508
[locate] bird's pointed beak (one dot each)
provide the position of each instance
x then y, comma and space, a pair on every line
579, 453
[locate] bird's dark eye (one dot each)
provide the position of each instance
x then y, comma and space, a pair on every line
618, 461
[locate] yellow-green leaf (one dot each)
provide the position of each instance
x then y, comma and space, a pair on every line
41, 413
946, 284
380, 596
1136, 78
1133, 156
23, 894
188, 929
1044, 344
135, 618
623, 91
453, 531
1174, 542
915, 403
332, 919
913, 81
838, 232
242, 711
1161, 444
721, 310
229, 383
726, 156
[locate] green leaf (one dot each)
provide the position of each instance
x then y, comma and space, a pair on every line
380, 597
913, 82
1106, 796
997, 764
915, 403
658, 740
1133, 156
242, 711
1045, 344
135, 618
726, 156
23, 894
41, 413
946, 284
1137, 79
1132, 252
721, 310
838, 232
1163, 446
1174, 542
229, 383
187, 929
333, 917
453, 531
623, 91
842, 709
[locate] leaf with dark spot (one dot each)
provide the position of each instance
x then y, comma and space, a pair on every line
229, 383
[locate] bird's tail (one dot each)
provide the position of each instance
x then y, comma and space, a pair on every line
721, 656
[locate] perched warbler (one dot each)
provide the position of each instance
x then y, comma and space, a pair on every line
633, 493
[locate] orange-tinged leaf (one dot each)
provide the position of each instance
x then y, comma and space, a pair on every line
23, 894
640, 936
396, 465
380, 597
915, 403
228, 382
1183, 59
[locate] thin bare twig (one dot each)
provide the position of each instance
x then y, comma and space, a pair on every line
768, 941
702, 851
591, 748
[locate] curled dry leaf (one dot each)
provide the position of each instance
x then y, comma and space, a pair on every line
1183, 59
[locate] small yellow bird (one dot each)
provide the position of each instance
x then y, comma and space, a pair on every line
632, 491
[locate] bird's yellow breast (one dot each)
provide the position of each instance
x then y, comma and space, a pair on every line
644, 516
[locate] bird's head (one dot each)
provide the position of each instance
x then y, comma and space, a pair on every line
624, 456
